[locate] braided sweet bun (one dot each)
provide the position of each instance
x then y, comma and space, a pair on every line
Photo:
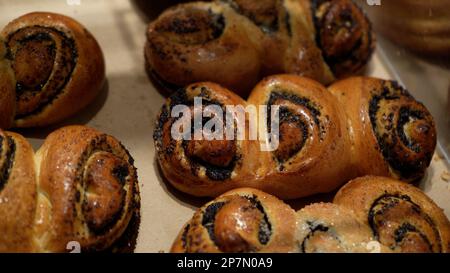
392, 134
58, 68
80, 186
236, 42
400, 216
325, 138
243, 220
369, 215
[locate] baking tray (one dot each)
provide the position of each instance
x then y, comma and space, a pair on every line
128, 106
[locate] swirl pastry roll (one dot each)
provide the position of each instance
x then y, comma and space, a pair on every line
392, 134
401, 217
87, 190
17, 194
58, 68
237, 42
203, 41
320, 138
329, 228
343, 34
243, 220
200, 166
313, 141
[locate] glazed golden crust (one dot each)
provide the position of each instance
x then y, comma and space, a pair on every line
329, 228
80, 186
58, 65
257, 38
400, 216
392, 133
17, 193
90, 182
243, 220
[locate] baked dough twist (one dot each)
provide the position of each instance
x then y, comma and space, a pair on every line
364, 126
237, 42
369, 215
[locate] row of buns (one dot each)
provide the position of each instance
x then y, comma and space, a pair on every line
368, 215
81, 185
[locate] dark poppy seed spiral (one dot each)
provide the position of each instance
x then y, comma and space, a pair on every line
340, 33
404, 129
43, 59
397, 222
293, 129
7, 154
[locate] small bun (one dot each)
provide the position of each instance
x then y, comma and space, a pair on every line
243, 220
81, 186
58, 68
400, 215
344, 34
204, 42
393, 134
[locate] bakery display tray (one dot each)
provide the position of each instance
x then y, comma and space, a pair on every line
129, 103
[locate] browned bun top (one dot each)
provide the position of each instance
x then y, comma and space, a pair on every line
58, 66
89, 180
201, 41
390, 128
344, 34
401, 216
404, 128
243, 220
308, 116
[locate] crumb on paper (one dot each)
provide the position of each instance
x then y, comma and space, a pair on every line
437, 157
445, 176
161, 251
